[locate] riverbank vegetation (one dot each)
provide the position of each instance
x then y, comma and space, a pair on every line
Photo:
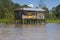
7, 11
53, 20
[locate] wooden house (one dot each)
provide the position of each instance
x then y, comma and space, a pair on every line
29, 14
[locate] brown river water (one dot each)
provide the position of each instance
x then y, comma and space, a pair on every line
48, 31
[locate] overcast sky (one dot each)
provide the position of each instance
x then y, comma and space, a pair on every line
34, 3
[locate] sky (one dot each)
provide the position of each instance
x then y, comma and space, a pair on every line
34, 3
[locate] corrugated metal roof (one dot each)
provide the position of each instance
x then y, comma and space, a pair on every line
31, 9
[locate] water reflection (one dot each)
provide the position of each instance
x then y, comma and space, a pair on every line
48, 31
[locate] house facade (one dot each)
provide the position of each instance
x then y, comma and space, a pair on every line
29, 14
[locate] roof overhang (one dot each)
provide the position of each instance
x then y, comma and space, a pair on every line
30, 9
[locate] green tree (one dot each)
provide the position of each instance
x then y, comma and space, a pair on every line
58, 11
47, 12
5, 4
16, 5
25, 6
53, 12
7, 8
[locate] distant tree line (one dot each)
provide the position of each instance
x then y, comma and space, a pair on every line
53, 13
7, 7
56, 11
